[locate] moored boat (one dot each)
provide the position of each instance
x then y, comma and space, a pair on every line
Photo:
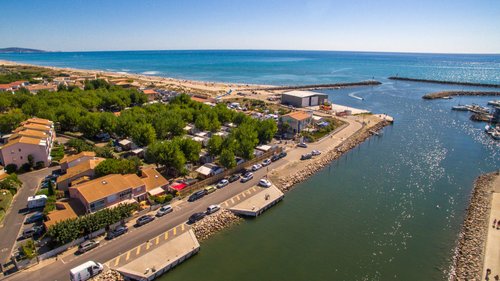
460, 107
494, 102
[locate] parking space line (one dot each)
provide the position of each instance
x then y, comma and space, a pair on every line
253, 188
175, 230
166, 235
249, 192
238, 197
232, 201
225, 203
138, 250
128, 256
183, 226
117, 260
148, 245
243, 194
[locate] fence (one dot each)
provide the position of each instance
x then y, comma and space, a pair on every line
216, 178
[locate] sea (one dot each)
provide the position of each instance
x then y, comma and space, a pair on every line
390, 209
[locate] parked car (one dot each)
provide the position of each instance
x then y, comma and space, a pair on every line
303, 145
315, 152
264, 183
116, 232
85, 271
164, 210
256, 167
36, 217
211, 188
87, 246
197, 195
306, 156
266, 162
246, 177
275, 157
32, 231
234, 178
222, 183
212, 209
144, 220
282, 154
196, 217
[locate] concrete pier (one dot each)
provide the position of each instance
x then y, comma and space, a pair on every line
259, 202
162, 258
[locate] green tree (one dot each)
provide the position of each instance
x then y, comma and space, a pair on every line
266, 130
246, 138
90, 125
143, 134
227, 158
202, 122
191, 149
79, 145
168, 154
118, 166
10, 120
50, 189
215, 145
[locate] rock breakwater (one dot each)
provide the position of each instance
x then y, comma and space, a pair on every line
468, 256
214, 223
440, 95
287, 182
445, 82
110, 275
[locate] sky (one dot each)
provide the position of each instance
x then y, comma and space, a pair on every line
437, 26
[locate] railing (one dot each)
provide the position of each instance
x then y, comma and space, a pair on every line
218, 177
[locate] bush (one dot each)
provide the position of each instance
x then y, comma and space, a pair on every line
50, 205
39, 165
161, 199
28, 249
57, 152
26, 167
11, 183
11, 168
5, 200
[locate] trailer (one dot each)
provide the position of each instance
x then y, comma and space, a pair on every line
37, 201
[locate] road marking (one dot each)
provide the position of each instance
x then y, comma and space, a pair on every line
166, 236
138, 250
128, 256
157, 240
227, 204
249, 192
243, 194
183, 226
117, 260
232, 200
106, 264
238, 197
175, 230
148, 245
253, 188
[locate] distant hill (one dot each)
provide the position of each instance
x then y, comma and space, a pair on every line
13, 50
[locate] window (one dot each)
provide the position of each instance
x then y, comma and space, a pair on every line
97, 205
21, 157
19, 150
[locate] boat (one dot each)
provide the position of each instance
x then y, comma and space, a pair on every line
478, 109
481, 117
496, 135
494, 102
447, 98
460, 107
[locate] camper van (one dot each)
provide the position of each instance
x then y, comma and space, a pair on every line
85, 271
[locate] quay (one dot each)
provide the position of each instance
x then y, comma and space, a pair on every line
319, 86
163, 258
444, 82
259, 202
444, 94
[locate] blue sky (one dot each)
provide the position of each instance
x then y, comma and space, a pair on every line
443, 26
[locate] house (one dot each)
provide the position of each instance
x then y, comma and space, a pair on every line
297, 120
68, 209
13, 86
108, 191
34, 137
303, 98
151, 94
73, 160
208, 170
155, 183
85, 169
35, 88
125, 144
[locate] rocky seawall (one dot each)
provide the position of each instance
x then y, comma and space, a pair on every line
445, 82
440, 95
320, 86
214, 223
286, 183
467, 262
110, 275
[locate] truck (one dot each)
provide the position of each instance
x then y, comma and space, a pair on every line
85, 271
37, 201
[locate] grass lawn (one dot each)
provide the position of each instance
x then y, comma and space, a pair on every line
5, 200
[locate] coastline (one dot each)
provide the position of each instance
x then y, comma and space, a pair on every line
445, 82
440, 95
469, 254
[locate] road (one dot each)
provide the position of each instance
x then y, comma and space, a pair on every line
15, 217
59, 270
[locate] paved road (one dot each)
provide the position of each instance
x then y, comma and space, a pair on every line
59, 270
14, 220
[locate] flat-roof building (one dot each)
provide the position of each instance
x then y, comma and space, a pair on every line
303, 98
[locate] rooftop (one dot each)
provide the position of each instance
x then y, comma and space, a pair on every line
108, 185
153, 179
64, 211
258, 202
89, 164
299, 115
303, 94
71, 158
25, 140
149, 92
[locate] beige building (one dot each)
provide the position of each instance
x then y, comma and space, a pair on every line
76, 159
79, 173
297, 120
34, 137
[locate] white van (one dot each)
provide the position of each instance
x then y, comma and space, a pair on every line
37, 201
85, 271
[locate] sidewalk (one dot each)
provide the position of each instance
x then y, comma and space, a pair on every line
492, 252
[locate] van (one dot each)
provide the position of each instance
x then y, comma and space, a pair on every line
210, 189
85, 271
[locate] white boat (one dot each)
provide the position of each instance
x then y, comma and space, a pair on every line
496, 135
460, 107
494, 102
447, 98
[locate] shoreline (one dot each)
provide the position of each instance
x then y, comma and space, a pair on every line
469, 253
443, 94
445, 82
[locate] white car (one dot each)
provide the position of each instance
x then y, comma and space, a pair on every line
222, 183
266, 162
256, 167
212, 209
265, 183
315, 152
164, 210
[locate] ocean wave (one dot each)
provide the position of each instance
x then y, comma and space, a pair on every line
150, 72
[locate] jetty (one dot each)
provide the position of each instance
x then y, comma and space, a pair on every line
445, 82
444, 94
161, 259
319, 86
259, 202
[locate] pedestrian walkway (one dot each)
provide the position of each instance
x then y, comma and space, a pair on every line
492, 253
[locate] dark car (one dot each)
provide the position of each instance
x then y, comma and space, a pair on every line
282, 154
306, 156
275, 157
197, 195
117, 232
32, 231
36, 217
234, 178
144, 220
196, 217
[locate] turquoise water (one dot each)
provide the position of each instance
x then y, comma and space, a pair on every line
277, 67
391, 209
